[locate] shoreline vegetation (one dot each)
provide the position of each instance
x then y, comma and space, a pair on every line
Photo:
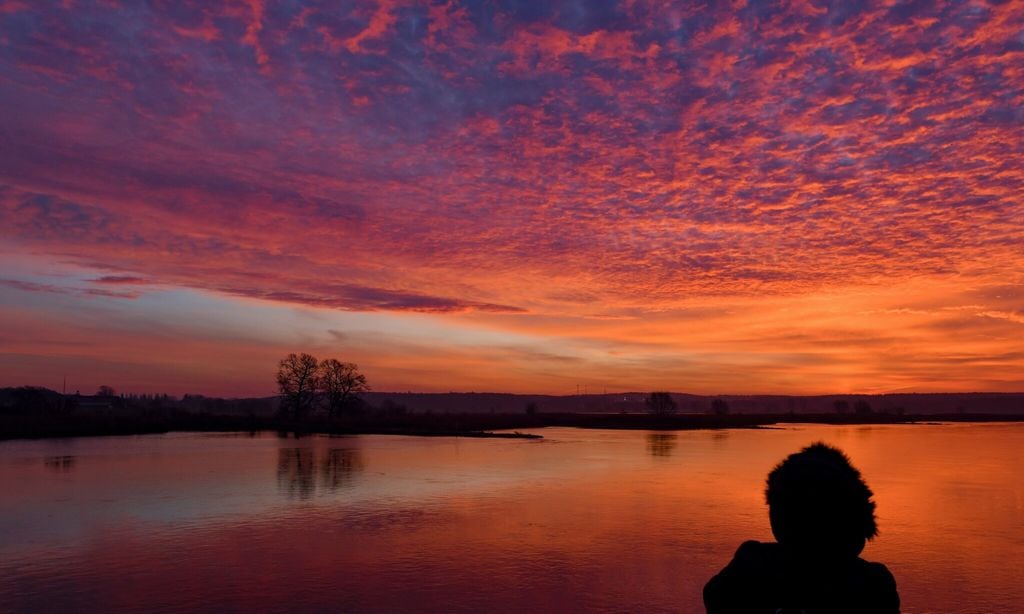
33, 413
45, 425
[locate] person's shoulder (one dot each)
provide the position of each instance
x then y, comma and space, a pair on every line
752, 550
752, 545
877, 572
880, 586
743, 579
750, 560
880, 575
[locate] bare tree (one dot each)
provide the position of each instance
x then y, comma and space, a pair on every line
661, 403
106, 391
297, 377
339, 382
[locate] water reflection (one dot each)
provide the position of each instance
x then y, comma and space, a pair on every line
298, 470
60, 463
661, 444
339, 467
587, 520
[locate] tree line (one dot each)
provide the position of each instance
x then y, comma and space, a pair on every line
307, 384
662, 404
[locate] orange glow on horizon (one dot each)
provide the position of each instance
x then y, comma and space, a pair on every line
710, 200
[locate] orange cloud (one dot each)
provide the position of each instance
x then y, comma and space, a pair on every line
650, 193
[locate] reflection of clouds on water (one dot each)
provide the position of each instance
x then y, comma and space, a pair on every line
661, 444
298, 470
60, 463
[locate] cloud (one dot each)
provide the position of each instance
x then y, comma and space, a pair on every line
1004, 315
590, 163
121, 280
358, 298
28, 286
337, 335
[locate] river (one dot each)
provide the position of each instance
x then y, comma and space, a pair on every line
581, 520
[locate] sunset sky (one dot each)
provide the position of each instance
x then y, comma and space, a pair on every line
776, 197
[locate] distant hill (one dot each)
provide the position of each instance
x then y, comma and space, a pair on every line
27, 398
633, 402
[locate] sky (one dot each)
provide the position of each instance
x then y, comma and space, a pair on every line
502, 195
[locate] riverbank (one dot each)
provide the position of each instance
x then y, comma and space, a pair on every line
49, 426
32, 426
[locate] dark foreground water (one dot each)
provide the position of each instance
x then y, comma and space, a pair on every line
580, 521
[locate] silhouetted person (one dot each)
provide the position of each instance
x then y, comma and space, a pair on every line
821, 514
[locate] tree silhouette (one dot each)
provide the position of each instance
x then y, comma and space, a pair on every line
339, 381
862, 407
660, 403
841, 406
720, 407
106, 391
297, 377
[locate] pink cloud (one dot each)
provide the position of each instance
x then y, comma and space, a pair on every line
593, 167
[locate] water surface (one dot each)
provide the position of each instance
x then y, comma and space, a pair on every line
583, 520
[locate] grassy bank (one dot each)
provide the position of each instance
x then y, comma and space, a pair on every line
27, 426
